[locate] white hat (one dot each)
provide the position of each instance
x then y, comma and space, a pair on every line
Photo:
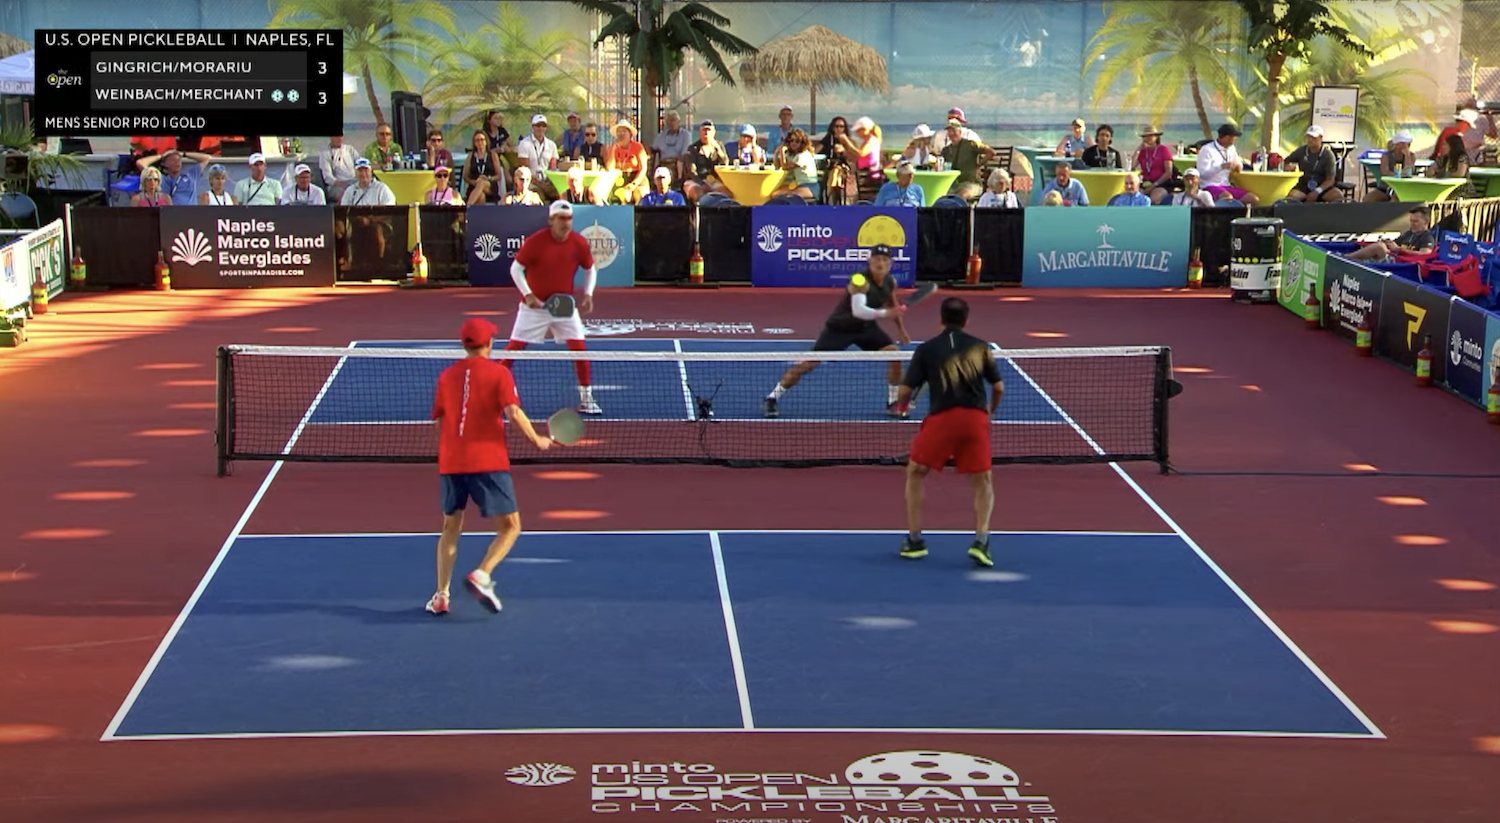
662, 172
922, 130
301, 169
256, 158
1191, 172
559, 207
539, 119
1402, 137
747, 129
1469, 116
1315, 130
787, 107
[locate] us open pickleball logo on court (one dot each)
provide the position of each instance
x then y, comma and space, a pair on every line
540, 774
191, 247
768, 238
487, 247
928, 768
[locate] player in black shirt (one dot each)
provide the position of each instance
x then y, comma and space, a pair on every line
955, 366
870, 295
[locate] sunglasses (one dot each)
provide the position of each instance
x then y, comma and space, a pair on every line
442, 175
437, 139
591, 134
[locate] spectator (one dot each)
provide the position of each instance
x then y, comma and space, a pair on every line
1154, 162
940, 141
366, 191
698, 164
216, 196
384, 152
748, 152
523, 194
303, 192
366, 232
1102, 155
776, 135
337, 165
484, 174
257, 189
965, 156
796, 158
436, 154
494, 131
180, 185
628, 157
1192, 193
536, 150
1477, 128
576, 193
1217, 161
919, 151
441, 194
1071, 191
999, 195
670, 144
662, 194
1074, 144
590, 152
1053, 197
1318, 167
869, 163
572, 138
901, 191
1398, 154
1451, 162
838, 170
150, 194
1419, 237
1132, 195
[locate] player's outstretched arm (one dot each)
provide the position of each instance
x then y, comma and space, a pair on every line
519, 419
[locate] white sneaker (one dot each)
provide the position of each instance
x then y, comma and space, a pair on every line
586, 405
483, 588
438, 605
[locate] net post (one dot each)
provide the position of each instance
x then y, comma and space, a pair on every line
222, 423
1162, 395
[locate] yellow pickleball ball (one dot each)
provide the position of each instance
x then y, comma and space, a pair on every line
857, 280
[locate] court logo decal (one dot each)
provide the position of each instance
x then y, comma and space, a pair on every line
603, 243
191, 247
611, 328
769, 238
1415, 314
540, 774
779, 331
487, 247
879, 788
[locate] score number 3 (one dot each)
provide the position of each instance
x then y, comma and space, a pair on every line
322, 95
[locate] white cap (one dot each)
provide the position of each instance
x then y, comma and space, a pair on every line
922, 130
1469, 116
301, 169
747, 129
1315, 130
662, 172
1402, 137
559, 207
539, 119
787, 107
256, 158
1191, 172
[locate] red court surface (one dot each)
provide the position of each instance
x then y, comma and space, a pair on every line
1387, 583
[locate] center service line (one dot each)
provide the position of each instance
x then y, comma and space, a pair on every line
738, 662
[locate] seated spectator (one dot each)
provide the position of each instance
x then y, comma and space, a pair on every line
337, 164
494, 130
441, 193
1398, 154
367, 233
572, 137
303, 192
1450, 161
869, 164
1318, 166
180, 184
628, 157
523, 194
1419, 237
590, 152
484, 174
257, 189
1218, 162
1132, 195
1154, 161
576, 193
1102, 155
1053, 198
919, 151
940, 140
796, 158
536, 151
366, 191
748, 152
999, 195
698, 164
965, 156
150, 193
1074, 144
1071, 191
661, 194
776, 135
838, 167
1192, 193
435, 154
384, 152
901, 191
668, 147
1476, 128
218, 176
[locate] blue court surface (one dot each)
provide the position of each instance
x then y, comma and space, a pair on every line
654, 389
1118, 633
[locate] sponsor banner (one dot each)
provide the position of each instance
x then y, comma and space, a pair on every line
1314, 221
825, 245
494, 234
45, 248
15, 276
1409, 315
1302, 265
246, 247
1464, 349
1106, 247
1492, 346
882, 787
1353, 295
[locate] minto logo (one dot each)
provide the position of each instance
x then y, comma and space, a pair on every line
603, 243
191, 248
768, 238
1415, 314
1456, 347
487, 246
540, 774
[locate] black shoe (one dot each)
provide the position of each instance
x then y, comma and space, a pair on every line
771, 410
913, 549
981, 554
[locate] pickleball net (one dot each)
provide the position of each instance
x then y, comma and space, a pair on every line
374, 405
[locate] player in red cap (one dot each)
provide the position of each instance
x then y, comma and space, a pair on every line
473, 395
955, 365
545, 266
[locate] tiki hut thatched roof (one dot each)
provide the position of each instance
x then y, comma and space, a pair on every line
816, 57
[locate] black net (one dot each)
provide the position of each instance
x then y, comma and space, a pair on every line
374, 405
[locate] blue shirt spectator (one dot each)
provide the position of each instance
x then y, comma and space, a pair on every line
901, 191
776, 135
1129, 199
1070, 190
668, 198
573, 137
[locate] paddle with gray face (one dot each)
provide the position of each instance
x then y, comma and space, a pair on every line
559, 305
565, 427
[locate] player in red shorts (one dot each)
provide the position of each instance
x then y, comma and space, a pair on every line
545, 266
955, 366
473, 463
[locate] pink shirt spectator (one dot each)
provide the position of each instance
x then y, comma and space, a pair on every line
1156, 162
869, 157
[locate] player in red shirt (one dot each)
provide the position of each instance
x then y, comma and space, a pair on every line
545, 266
473, 395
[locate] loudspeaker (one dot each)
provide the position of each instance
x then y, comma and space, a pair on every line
409, 121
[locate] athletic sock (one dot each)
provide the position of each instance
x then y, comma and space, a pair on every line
580, 366
892, 394
914, 537
777, 392
983, 539
586, 394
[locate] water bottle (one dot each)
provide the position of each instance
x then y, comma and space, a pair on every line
746, 156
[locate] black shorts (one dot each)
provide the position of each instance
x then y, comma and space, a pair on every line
873, 338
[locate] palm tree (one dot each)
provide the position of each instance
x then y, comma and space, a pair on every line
504, 65
1281, 30
382, 38
1164, 46
657, 42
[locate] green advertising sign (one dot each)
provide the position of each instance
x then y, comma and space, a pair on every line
1302, 265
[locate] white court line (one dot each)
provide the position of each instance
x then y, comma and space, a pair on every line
234, 533
687, 390
732, 730
1192, 544
692, 419
746, 717
645, 532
